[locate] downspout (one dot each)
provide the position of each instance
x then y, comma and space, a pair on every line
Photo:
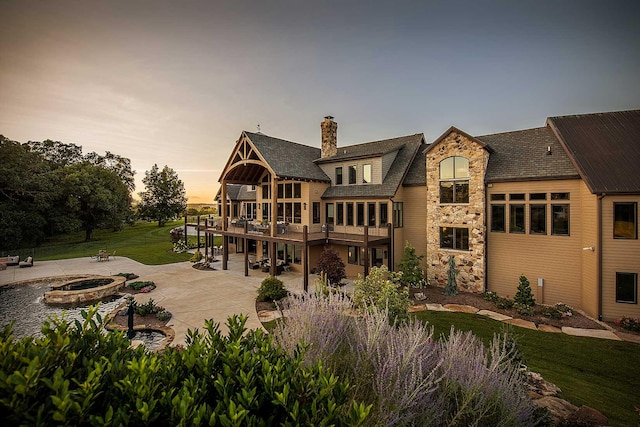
600, 197
486, 242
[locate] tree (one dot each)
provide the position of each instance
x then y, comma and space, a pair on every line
332, 265
412, 274
27, 187
164, 198
96, 197
380, 290
452, 284
524, 295
118, 164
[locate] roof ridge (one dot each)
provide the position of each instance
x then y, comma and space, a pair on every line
381, 140
512, 131
280, 139
601, 113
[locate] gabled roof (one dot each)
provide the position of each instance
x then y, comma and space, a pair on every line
522, 156
369, 149
237, 192
605, 148
458, 131
288, 160
417, 173
407, 148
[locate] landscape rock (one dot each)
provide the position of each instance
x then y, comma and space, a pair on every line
540, 386
559, 409
461, 308
586, 416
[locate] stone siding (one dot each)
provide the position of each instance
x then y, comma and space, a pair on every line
471, 263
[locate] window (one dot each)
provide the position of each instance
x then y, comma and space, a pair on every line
288, 191
329, 213
265, 192
349, 213
454, 180
266, 211
538, 196
280, 212
625, 225
516, 218
516, 196
316, 212
559, 196
384, 215
538, 219
339, 175
280, 191
360, 217
498, 218
339, 213
352, 255
297, 213
366, 174
297, 190
288, 212
352, 174
297, 254
627, 288
371, 209
454, 238
560, 220
398, 217
498, 197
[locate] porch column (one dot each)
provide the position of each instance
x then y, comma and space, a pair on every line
305, 258
274, 205
246, 252
198, 233
366, 250
390, 234
225, 242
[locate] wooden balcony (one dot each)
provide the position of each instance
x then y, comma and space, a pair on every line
294, 233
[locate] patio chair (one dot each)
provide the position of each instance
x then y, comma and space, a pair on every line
104, 256
26, 263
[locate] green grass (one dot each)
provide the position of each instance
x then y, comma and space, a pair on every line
599, 373
144, 242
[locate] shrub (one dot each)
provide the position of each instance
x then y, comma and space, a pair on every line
504, 303
412, 274
149, 307
452, 273
332, 265
524, 296
77, 375
139, 285
271, 289
197, 256
524, 310
490, 296
629, 323
557, 311
380, 290
128, 276
407, 376
163, 315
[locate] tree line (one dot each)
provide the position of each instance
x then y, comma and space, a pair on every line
49, 188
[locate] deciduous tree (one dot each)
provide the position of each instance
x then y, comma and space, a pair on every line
164, 197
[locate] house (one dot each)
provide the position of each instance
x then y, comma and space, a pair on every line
558, 204
361, 200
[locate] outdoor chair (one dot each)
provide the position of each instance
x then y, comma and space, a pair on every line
26, 263
104, 256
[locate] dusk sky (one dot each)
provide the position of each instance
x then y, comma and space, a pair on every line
176, 82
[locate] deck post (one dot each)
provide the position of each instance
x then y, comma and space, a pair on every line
366, 250
246, 251
225, 251
198, 234
305, 258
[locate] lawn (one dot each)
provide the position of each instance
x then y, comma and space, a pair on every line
144, 242
602, 374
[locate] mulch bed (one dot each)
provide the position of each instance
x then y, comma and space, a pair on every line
150, 321
435, 296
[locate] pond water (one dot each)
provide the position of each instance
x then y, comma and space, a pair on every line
24, 304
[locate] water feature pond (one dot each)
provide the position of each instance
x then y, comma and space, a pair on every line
24, 304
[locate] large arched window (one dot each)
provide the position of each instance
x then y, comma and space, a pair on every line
454, 180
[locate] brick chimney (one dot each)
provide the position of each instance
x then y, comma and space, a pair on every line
329, 137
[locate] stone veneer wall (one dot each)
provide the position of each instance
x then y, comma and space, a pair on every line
471, 263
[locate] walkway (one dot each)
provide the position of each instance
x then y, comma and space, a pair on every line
593, 333
191, 295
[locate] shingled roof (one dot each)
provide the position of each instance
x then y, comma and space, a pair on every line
417, 173
289, 160
407, 147
605, 148
523, 155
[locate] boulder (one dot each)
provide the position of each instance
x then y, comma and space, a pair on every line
586, 416
559, 409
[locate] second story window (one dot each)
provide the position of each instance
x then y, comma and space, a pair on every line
316, 212
625, 225
398, 215
384, 215
454, 180
339, 175
352, 174
366, 174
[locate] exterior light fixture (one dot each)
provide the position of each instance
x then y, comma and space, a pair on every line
305, 205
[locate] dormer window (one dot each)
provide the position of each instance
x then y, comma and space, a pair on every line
352, 174
366, 174
454, 180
